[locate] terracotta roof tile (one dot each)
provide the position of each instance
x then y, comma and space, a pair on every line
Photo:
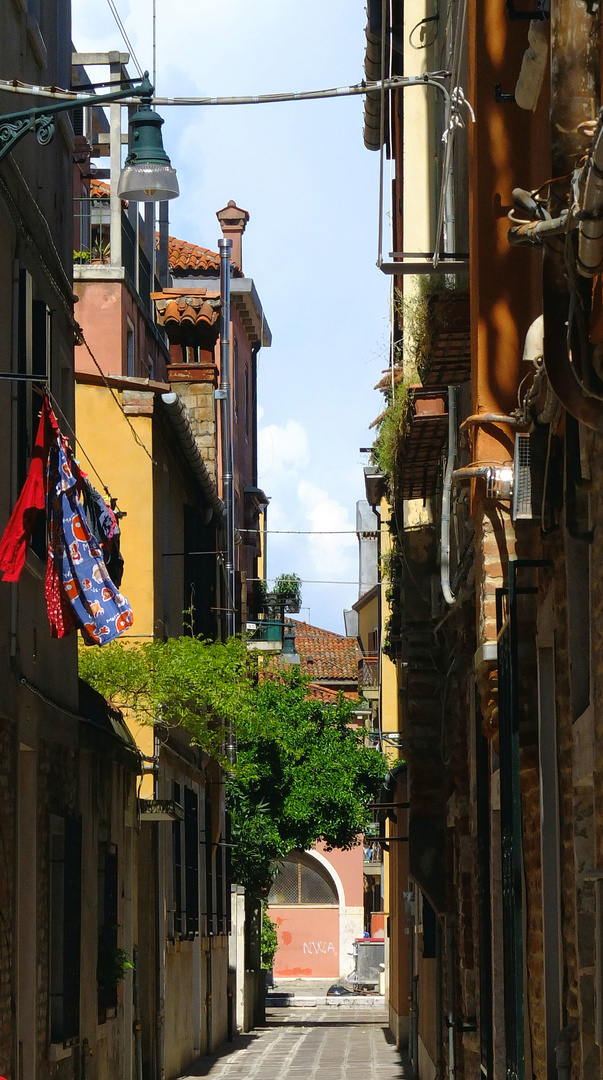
325, 655
329, 696
99, 189
184, 257
186, 310
188, 258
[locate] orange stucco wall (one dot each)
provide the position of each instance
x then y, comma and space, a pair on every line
308, 940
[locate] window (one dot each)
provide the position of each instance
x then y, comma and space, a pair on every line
130, 348
209, 871
185, 864
177, 864
302, 880
234, 390
34, 353
107, 932
247, 401
191, 860
65, 928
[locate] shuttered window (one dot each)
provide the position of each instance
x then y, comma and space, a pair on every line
65, 928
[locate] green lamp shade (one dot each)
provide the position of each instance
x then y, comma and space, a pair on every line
289, 653
147, 175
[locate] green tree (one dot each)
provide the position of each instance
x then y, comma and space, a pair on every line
302, 772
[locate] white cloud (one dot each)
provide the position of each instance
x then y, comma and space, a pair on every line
282, 450
334, 556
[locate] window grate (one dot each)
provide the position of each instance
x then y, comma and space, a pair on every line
300, 882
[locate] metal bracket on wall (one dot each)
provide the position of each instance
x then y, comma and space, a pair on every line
24, 378
499, 96
538, 13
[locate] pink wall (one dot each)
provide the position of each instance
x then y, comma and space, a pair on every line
308, 940
349, 866
101, 311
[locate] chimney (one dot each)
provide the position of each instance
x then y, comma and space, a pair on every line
232, 222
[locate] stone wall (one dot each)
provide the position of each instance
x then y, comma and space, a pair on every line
196, 388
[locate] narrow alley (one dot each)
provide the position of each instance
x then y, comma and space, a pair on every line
335, 1042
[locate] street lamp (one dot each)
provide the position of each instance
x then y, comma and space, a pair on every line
147, 175
289, 653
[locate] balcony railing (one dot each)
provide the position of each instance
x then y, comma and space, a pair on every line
92, 244
368, 672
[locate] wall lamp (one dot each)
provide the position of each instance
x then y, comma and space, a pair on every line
147, 175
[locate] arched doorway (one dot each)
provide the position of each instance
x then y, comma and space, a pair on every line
304, 904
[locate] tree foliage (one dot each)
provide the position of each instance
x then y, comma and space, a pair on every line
302, 773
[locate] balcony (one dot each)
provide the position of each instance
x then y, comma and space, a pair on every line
92, 246
368, 676
372, 857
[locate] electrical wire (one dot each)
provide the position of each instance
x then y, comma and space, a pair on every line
124, 35
423, 22
57, 408
310, 532
432, 78
137, 439
308, 581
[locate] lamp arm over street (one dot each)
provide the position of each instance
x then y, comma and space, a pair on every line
14, 126
397, 82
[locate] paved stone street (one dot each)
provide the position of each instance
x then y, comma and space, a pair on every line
331, 1043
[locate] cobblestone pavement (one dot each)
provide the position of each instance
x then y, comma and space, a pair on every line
310, 1044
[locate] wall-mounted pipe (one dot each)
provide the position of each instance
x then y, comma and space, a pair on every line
590, 238
479, 419
226, 390
472, 472
447, 592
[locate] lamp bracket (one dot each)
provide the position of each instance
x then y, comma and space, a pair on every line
11, 133
14, 126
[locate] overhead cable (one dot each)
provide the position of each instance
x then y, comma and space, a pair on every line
124, 35
433, 78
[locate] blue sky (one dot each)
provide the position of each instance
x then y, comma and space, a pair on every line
310, 186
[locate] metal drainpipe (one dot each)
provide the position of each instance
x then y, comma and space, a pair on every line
439, 1005
450, 988
563, 1051
447, 592
225, 392
160, 968
137, 1025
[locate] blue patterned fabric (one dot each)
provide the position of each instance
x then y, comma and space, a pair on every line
76, 566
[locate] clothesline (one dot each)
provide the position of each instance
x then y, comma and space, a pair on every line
59, 410
84, 564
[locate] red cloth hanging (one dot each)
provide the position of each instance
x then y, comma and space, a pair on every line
17, 534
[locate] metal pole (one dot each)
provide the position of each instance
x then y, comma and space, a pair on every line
225, 396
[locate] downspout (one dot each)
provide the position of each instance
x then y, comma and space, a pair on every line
590, 239
137, 1024
225, 397
160, 941
439, 1004
447, 592
450, 981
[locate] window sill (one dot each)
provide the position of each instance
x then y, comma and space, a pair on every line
57, 1052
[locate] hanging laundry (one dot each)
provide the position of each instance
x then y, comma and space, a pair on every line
79, 591
17, 534
104, 526
76, 567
